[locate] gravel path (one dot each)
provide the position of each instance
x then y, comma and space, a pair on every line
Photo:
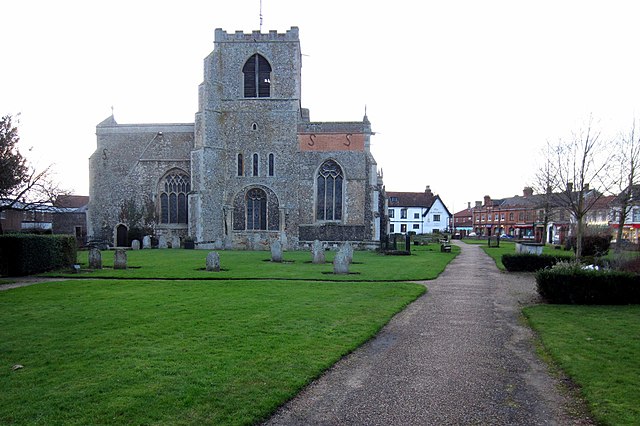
458, 355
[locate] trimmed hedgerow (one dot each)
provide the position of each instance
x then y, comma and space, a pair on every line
527, 262
24, 254
574, 285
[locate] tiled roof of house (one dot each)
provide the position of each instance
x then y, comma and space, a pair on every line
71, 201
411, 199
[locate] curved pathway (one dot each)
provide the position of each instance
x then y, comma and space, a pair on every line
458, 355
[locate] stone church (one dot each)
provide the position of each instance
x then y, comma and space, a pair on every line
253, 167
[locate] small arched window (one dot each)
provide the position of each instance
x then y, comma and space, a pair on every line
173, 198
257, 77
240, 165
329, 191
271, 164
255, 164
256, 203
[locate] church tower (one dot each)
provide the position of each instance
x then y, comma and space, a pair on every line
244, 166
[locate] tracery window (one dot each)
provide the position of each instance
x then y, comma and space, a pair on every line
257, 77
256, 203
329, 191
173, 198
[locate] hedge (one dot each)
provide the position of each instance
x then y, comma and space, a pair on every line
588, 287
25, 254
528, 262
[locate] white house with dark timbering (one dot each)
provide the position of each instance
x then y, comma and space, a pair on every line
252, 167
419, 212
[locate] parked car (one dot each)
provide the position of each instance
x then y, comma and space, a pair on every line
472, 234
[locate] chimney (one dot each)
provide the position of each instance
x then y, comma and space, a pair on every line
527, 191
586, 187
427, 191
569, 186
468, 204
487, 200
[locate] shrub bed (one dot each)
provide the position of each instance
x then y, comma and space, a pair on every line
25, 254
574, 285
526, 262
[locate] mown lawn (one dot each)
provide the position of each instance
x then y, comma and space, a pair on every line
425, 263
177, 352
225, 351
599, 348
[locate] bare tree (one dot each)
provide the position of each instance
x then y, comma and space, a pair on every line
545, 183
627, 159
22, 187
581, 172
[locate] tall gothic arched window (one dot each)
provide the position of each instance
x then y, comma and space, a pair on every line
173, 198
257, 77
329, 191
256, 203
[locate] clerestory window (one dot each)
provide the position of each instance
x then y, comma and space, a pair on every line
173, 198
257, 77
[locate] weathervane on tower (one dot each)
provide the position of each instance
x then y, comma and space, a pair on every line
260, 15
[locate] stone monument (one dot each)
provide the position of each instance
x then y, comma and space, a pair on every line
120, 259
213, 261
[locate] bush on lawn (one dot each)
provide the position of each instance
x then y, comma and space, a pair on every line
25, 254
592, 245
570, 283
526, 262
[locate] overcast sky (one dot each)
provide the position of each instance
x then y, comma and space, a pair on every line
462, 95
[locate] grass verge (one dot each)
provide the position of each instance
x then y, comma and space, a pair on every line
509, 247
599, 348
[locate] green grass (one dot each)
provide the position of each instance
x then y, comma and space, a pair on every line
177, 352
509, 247
599, 348
425, 263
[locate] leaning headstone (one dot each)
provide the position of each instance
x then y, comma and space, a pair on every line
317, 252
175, 242
340, 263
146, 242
213, 261
276, 251
95, 258
162, 242
120, 259
135, 245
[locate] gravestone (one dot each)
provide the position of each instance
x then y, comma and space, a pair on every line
213, 261
276, 251
347, 250
340, 263
317, 252
120, 259
162, 242
217, 244
135, 245
146, 242
95, 258
175, 242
